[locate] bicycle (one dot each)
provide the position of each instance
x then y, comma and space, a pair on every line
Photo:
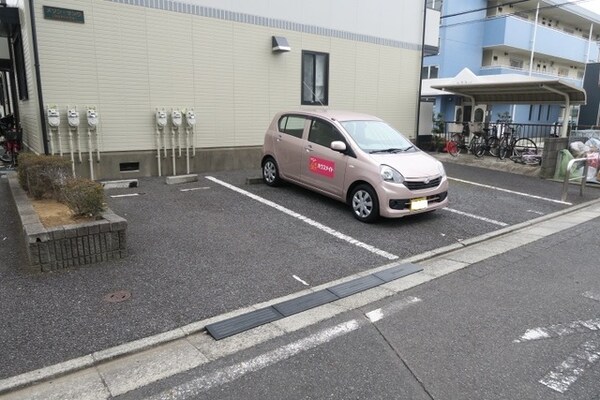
523, 150
490, 143
458, 141
11, 141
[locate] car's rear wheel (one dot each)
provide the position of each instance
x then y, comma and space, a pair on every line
270, 172
364, 202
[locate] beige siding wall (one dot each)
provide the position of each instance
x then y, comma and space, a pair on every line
127, 60
29, 109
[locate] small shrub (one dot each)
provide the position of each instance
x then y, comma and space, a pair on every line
84, 197
43, 176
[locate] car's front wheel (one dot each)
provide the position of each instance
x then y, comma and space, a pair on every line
364, 202
270, 172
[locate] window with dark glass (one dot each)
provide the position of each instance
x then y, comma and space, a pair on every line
323, 133
315, 78
292, 125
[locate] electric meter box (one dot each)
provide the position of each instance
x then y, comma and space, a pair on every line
53, 117
190, 118
161, 119
176, 118
73, 118
92, 118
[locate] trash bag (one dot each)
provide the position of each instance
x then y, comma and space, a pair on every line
593, 144
564, 156
578, 149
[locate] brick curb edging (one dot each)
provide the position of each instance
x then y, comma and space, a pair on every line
65, 246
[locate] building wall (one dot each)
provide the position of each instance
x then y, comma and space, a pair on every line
129, 59
29, 109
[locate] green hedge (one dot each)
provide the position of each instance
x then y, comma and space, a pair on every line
84, 197
50, 177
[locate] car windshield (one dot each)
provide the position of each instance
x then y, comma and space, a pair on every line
376, 137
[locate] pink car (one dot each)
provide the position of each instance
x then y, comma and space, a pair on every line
354, 158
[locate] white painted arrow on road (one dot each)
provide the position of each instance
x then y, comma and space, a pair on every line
586, 355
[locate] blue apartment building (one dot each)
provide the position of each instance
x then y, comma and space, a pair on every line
541, 39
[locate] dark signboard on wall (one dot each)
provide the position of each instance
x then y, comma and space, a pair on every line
63, 14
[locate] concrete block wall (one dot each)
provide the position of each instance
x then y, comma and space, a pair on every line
50, 249
552, 146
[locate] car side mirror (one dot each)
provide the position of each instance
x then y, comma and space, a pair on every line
338, 145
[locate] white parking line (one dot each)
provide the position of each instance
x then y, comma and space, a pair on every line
511, 191
307, 220
196, 188
491, 221
126, 195
300, 280
228, 374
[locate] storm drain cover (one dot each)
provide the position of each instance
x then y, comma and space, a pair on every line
117, 297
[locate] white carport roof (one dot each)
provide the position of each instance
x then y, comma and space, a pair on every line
506, 88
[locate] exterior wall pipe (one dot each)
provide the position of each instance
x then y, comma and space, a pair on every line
187, 149
192, 142
71, 148
79, 145
565, 124
158, 141
60, 150
38, 77
49, 143
535, 26
91, 150
173, 148
97, 145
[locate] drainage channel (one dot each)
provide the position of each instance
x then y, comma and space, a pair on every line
232, 326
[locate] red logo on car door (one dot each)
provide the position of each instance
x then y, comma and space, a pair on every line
321, 166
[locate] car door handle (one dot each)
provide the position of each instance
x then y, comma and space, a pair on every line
308, 149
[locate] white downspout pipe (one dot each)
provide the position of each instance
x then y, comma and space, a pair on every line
173, 148
72, 153
60, 150
158, 142
79, 144
97, 145
187, 149
565, 124
91, 153
535, 26
192, 142
50, 141
587, 53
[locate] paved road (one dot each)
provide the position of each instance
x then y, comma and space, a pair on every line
200, 253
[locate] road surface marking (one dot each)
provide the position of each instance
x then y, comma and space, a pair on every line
491, 221
196, 188
228, 374
125, 195
575, 365
300, 280
558, 330
565, 374
511, 191
307, 220
535, 212
392, 308
592, 295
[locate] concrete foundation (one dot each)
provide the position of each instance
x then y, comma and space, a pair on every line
138, 164
552, 146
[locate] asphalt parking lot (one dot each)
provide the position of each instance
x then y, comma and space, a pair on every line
201, 249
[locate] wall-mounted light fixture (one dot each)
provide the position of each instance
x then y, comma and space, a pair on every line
280, 44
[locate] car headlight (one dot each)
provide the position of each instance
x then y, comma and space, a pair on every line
441, 169
389, 174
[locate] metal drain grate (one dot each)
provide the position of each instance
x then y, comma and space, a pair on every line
222, 329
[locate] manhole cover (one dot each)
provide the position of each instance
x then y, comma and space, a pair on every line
117, 297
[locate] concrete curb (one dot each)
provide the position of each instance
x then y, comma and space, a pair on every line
97, 358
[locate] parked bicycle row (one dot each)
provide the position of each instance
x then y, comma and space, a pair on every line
502, 141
